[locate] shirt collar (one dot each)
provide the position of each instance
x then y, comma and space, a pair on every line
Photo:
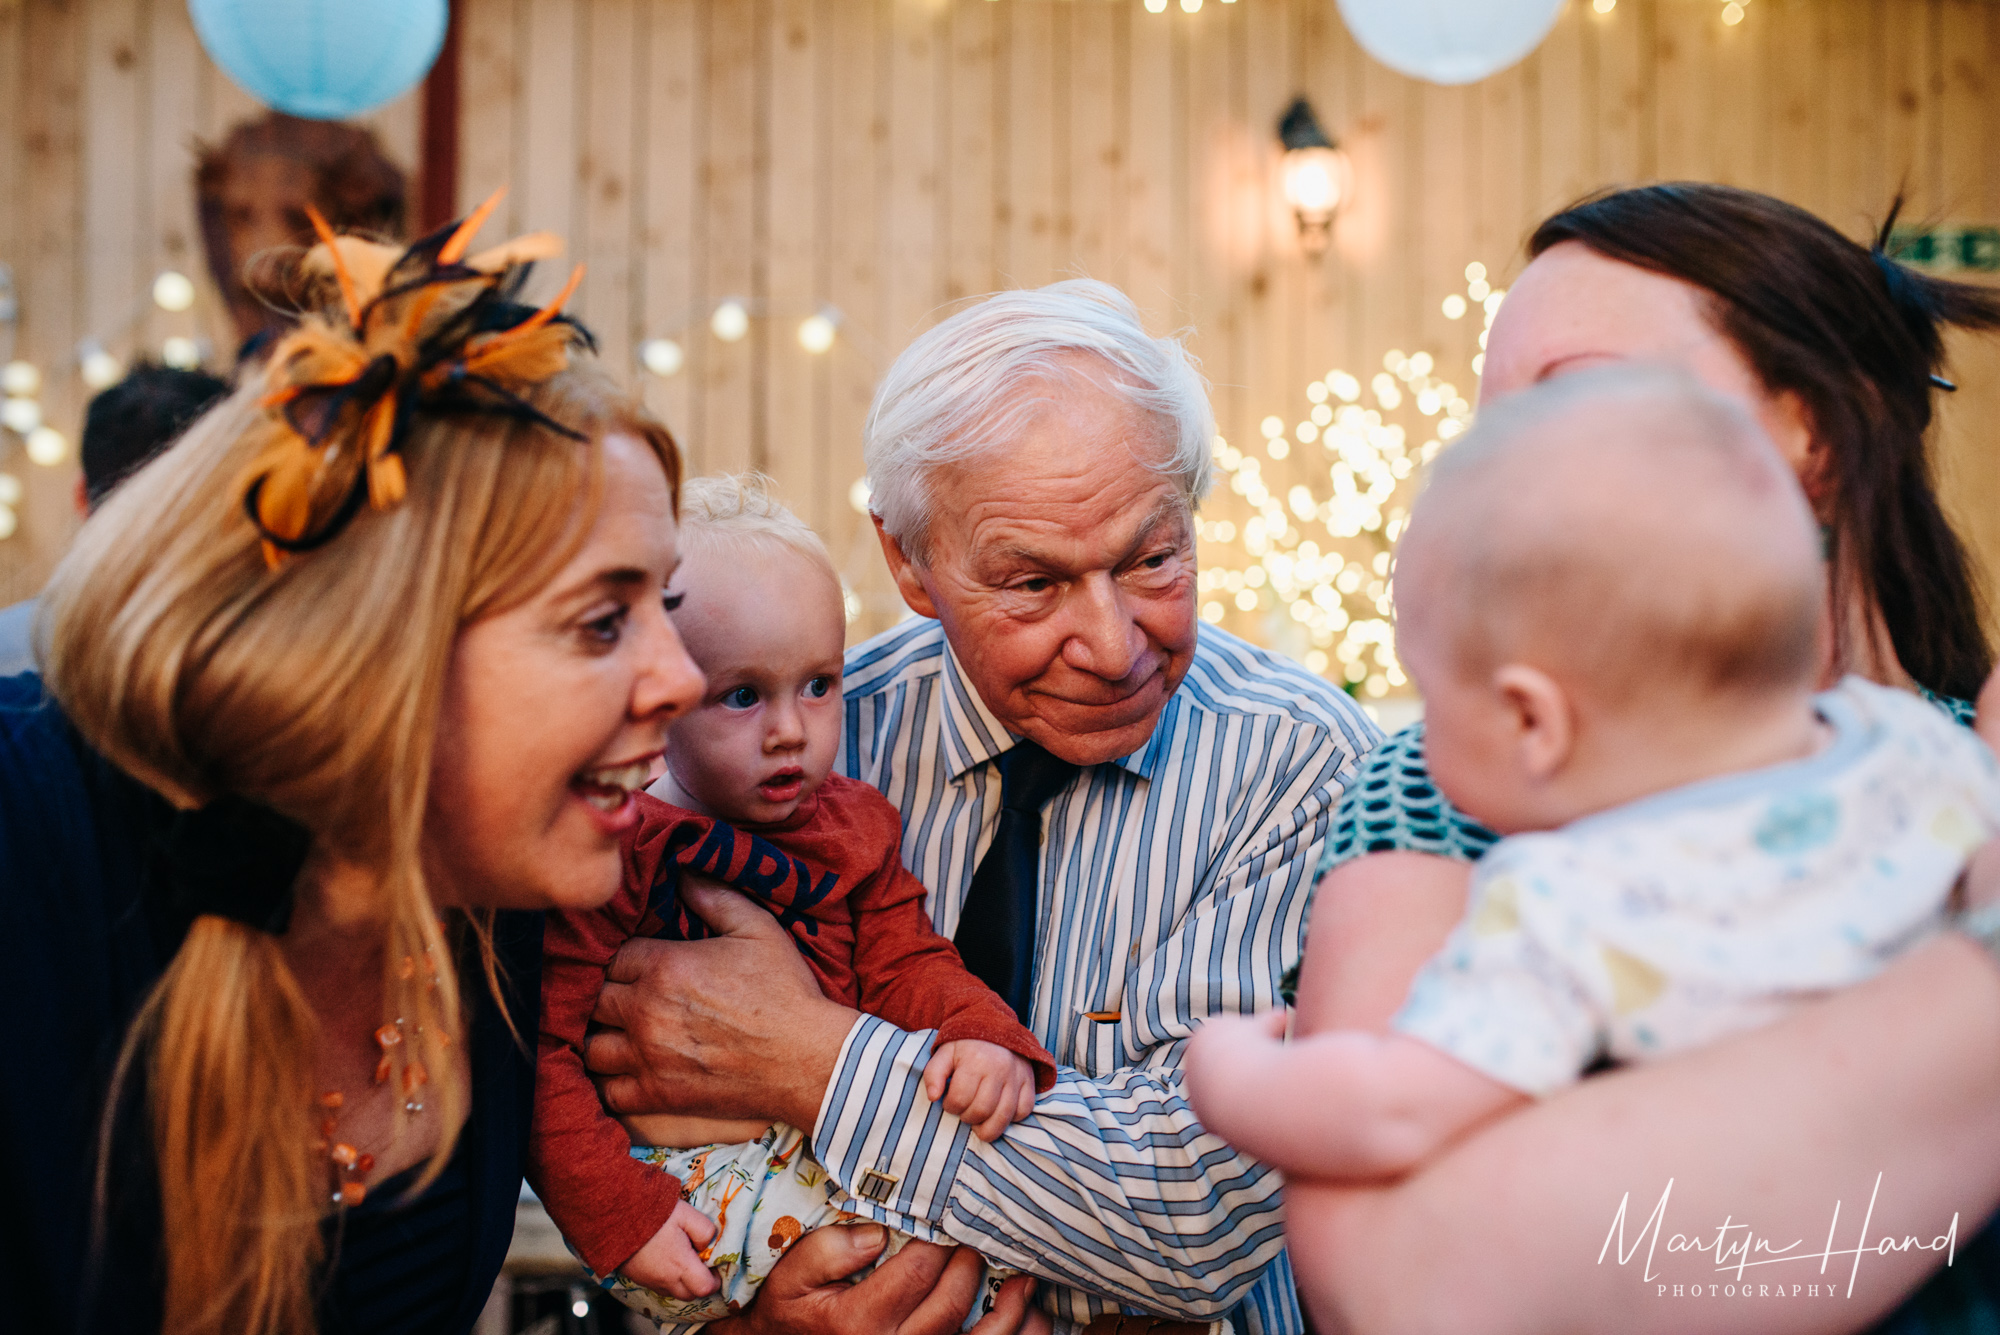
973, 735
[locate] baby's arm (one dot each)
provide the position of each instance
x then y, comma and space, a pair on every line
982, 1084
1342, 1104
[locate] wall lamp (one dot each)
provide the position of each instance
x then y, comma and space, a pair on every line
1318, 177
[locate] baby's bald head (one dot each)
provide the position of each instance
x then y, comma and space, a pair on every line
1624, 530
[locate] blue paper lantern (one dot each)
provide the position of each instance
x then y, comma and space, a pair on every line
322, 59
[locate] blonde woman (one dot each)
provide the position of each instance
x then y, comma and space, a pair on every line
337, 694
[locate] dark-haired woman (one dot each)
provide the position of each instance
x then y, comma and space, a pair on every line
1838, 350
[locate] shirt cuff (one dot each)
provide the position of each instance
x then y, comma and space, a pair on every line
880, 1137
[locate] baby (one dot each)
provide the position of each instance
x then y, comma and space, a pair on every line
691, 1213
1610, 596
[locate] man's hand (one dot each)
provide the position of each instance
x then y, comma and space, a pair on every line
982, 1084
671, 1261
921, 1290
733, 1026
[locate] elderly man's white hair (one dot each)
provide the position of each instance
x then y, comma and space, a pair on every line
969, 386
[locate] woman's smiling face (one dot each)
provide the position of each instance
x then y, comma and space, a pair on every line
556, 711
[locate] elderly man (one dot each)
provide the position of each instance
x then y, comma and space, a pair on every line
1117, 811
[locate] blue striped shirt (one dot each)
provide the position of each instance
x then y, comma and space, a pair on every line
1174, 886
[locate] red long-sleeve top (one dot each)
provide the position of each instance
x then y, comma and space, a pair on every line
834, 876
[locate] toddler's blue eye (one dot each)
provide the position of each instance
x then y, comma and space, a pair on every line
818, 687
741, 698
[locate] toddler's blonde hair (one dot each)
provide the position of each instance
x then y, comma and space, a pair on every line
744, 507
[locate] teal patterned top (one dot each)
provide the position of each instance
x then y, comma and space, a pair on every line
1392, 805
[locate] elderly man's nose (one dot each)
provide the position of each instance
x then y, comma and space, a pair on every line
1103, 638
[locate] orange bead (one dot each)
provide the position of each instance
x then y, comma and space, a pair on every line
413, 1075
351, 1194
346, 1155
326, 1128
333, 1098
407, 969
382, 1071
388, 1036
366, 1166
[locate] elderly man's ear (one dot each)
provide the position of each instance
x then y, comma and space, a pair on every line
905, 571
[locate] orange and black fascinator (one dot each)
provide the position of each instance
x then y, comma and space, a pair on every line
423, 331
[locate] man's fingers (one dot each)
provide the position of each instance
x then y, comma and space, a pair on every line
729, 912
823, 1257
1010, 1308
1024, 1103
622, 1094
610, 1052
887, 1295
1274, 1021
950, 1295
615, 1002
634, 960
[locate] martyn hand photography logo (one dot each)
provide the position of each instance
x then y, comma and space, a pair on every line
1743, 1260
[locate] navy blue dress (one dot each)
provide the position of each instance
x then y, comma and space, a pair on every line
84, 933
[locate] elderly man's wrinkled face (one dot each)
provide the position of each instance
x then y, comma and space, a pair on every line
1063, 570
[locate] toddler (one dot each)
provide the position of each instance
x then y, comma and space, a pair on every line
1610, 596
689, 1214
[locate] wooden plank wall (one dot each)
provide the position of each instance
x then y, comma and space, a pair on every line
889, 158
105, 104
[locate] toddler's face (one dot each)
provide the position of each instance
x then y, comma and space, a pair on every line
764, 623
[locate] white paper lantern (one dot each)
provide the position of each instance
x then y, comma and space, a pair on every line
323, 59
1449, 41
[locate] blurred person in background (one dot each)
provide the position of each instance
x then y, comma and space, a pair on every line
252, 192
123, 427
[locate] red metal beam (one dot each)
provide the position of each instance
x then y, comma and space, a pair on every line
437, 167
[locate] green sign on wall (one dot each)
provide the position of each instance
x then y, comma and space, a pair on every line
1949, 247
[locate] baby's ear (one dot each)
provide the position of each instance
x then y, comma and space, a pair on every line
1541, 722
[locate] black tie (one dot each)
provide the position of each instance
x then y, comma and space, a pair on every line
996, 928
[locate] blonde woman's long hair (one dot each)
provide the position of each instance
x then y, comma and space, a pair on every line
313, 689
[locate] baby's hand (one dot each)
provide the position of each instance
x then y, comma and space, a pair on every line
670, 1262
989, 1086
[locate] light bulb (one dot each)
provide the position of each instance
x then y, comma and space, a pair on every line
8, 523
47, 446
858, 494
1156, 6
21, 379
662, 356
1475, 272
1454, 307
1604, 6
180, 353
20, 415
173, 291
99, 369
730, 321
816, 332
1190, 6
10, 489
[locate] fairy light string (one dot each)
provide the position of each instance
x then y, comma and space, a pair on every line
1300, 561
